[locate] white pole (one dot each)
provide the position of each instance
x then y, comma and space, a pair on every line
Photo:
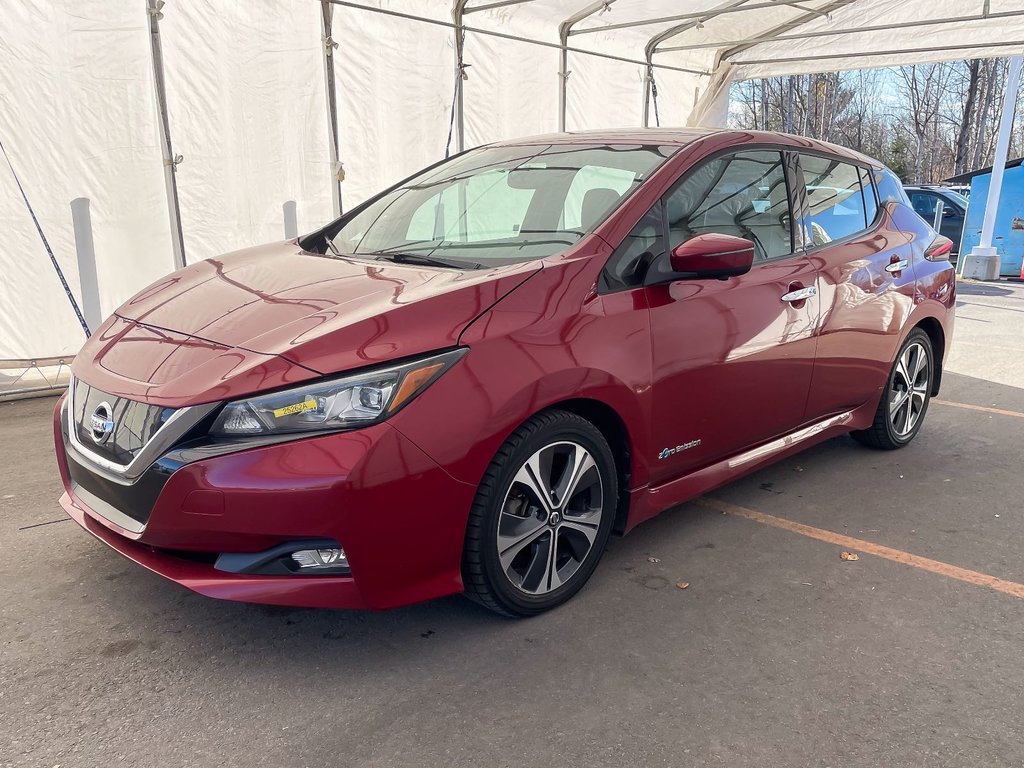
1002, 148
983, 261
291, 220
87, 278
563, 81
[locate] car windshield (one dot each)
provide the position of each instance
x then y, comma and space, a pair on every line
957, 198
498, 205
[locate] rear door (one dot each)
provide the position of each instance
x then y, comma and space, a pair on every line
865, 282
732, 359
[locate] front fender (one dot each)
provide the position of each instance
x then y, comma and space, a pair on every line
552, 340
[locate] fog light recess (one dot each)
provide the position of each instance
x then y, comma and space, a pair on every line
312, 559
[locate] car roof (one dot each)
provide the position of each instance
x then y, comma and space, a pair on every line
681, 137
937, 188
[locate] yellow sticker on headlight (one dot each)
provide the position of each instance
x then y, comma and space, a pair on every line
288, 410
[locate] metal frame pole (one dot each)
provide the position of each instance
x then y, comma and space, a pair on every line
171, 161
330, 90
648, 80
563, 75
564, 31
458, 11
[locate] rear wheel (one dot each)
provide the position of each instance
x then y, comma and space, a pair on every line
542, 516
904, 403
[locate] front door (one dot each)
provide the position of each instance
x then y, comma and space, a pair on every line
732, 359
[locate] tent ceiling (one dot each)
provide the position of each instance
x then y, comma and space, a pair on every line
772, 37
720, 41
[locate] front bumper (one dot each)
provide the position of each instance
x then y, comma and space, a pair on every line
400, 518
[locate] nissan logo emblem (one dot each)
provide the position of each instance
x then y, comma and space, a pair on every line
100, 423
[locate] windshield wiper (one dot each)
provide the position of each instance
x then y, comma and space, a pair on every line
435, 243
577, 232
427, 261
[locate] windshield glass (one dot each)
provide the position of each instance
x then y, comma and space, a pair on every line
957, 198
499, 205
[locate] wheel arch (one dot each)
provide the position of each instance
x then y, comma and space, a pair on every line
937, 335
610, 424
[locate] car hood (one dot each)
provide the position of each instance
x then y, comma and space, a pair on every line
275, 314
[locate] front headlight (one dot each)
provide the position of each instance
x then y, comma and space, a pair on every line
344, 403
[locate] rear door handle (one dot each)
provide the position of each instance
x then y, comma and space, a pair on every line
801, 294
897, 266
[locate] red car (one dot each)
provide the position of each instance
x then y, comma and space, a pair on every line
470, 381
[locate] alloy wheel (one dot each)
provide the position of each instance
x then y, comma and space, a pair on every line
550, 517
908, 391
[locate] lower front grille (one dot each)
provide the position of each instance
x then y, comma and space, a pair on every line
127, 504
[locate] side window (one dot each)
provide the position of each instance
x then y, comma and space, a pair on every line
743, 194
834, 198
642, 246
594, 191
867, 188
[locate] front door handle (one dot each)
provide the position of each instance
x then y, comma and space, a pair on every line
897, 266
800, 294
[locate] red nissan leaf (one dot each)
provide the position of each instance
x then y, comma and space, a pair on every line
469, 382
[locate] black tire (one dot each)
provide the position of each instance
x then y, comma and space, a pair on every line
884, 432
557, 435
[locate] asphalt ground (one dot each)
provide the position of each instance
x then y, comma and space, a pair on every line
777, 653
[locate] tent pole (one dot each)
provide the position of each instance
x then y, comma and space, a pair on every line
563, 77
648, 77
564, 30
983, 261
799, 22
153, 8
330, 89
458, 10
516, 38
652, 48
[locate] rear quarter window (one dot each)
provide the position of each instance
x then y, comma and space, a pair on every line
890, 188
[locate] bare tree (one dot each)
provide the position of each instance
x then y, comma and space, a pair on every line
923, 86
967, 117
927, 122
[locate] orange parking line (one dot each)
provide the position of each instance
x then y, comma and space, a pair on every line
982, 408
867, 547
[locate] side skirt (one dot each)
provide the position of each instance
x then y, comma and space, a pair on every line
650, 500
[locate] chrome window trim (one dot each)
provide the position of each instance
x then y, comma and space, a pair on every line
172, 430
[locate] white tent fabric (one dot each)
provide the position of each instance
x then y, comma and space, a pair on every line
78, 120
247, 106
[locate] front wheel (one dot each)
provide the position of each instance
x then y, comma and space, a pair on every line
542, 516
905, 400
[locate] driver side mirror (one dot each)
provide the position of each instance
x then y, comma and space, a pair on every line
712, 255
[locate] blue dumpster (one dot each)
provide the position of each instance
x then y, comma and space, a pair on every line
1008, 237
